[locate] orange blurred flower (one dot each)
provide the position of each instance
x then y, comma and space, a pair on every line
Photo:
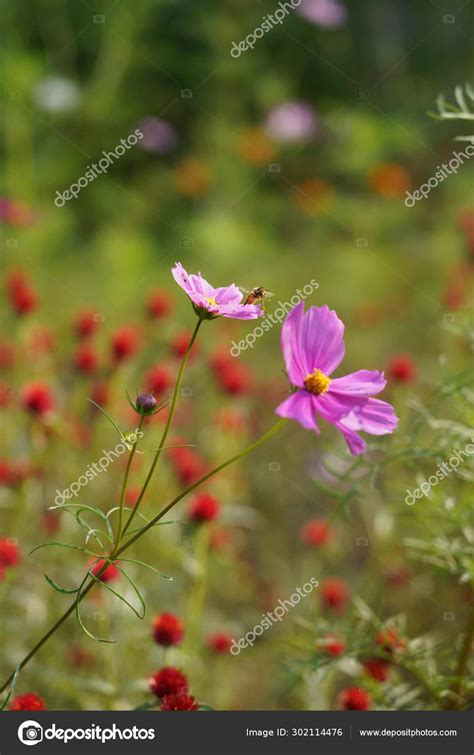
314, 196
255, 147
390, 180
193, 177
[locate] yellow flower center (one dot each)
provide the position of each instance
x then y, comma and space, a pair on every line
212, 302
317, 382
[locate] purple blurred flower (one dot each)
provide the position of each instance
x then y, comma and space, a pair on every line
313, 347
214, 302
158, 135
328, 13
291, 121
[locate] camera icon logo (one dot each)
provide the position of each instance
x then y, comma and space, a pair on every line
30, 733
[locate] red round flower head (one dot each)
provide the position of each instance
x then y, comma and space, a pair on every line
389, 641
234, 379
159, 304
203, 508
37, 398
158, 379
86, 323
30, 701
334, 593
220, 642
377, 669
168, 681
401, 368
7, 355
9, 552
101, 393
124, 343
188, 466
180, 342
86, 359
355, 698
110, 573
168, 629
332, 646
22, 297
316, 532
179, 701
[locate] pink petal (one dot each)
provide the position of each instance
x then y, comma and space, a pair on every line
357, 445
293, 352
360, 383
322, 341
375, 417
300, 407
333, 406
239, 311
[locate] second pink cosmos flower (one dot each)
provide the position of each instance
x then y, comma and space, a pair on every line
313, 347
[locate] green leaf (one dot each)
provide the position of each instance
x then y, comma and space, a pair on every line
118, 595
63, 545
142, 563
11, 690
58, 588
108, 417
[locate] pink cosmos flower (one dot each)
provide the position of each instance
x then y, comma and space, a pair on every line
212, 302
313, 347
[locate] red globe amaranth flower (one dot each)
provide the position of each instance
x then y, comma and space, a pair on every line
30, 701
38, 398
180, 342
124, 343
80, 658
131, 496
2, 573
187, 464
168, 681
398, 576
42, 340
86, 359
110, 573
9, 552
220, 642
355, 698
401, 368
50, 522
158, 379
377, 669
221, 539
316, 532
168, 629
332, 646
203, 508
389, 641
179, 701
334, 593
86, 323
7, 355
101, 393
159, 305
22, 297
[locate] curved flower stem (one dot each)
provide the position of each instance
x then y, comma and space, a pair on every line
115, 553
167, 426
118, 538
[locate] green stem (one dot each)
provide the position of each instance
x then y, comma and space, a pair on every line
167, 426
463, 660
192, 487
115, 553
118, 539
